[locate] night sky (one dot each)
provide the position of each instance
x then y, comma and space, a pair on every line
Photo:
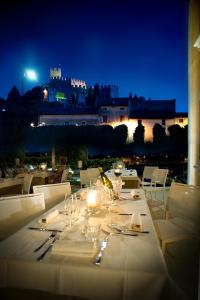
139, 45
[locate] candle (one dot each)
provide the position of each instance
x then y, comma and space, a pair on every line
91, 199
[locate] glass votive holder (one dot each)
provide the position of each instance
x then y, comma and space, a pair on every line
136, 222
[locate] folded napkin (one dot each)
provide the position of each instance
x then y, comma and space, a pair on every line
49, 217
74, 248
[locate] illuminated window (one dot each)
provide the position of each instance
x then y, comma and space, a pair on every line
122, 118
180, 120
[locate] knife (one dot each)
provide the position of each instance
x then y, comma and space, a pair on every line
44, 229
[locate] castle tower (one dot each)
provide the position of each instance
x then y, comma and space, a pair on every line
55, 73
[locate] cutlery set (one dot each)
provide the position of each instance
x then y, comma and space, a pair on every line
39, 258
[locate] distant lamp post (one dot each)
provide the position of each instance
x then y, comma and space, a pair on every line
28, 75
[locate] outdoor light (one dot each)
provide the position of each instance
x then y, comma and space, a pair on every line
29, 75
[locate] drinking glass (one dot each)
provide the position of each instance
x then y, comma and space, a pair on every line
71, 203
136, 222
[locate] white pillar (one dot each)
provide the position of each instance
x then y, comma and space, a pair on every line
193, 93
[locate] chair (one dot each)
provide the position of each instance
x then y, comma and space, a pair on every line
86, 176
53, 193
130, 182
93, 172
182, 215
26, 186
147, 175
64, 175
16, 211
157, 185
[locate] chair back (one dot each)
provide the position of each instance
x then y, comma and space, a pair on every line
27, 183
84, 178
87, 175
53, 193
159, 176
147, 173
17, 211
183, 203
64, 175
93, 173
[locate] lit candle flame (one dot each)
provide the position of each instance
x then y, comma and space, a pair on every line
91, 199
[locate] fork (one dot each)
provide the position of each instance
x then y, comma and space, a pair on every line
53, 234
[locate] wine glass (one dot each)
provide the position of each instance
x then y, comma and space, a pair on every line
118, 172
71, 208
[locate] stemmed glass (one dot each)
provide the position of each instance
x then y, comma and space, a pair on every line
108, 198
71, 203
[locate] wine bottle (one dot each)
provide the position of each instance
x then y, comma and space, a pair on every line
106, 181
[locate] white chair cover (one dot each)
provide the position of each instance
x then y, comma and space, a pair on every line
16, 211
53, 193
64, 175
147, 175
27, 183
183, 214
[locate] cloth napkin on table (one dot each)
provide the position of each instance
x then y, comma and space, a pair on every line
74, 248
49, 217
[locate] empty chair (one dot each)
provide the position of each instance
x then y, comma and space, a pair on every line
53, 193
130, 182
157, 185
84, 178
93, 173
183, 215
26, 186
64, 175
16, 211
147, 175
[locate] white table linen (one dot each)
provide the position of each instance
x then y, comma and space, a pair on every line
131, 267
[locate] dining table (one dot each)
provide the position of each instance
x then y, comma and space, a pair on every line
132, 265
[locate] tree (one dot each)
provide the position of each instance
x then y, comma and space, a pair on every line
138, 135
176, 135
159, 135
121, 134
14, 96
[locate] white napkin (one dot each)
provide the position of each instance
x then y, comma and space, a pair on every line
74, 248
49, 217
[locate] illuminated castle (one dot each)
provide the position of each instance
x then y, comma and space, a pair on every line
65, 89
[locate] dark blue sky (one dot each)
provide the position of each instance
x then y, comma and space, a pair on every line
140, 45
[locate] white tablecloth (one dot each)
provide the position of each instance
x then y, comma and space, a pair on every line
125, 172
132, 267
